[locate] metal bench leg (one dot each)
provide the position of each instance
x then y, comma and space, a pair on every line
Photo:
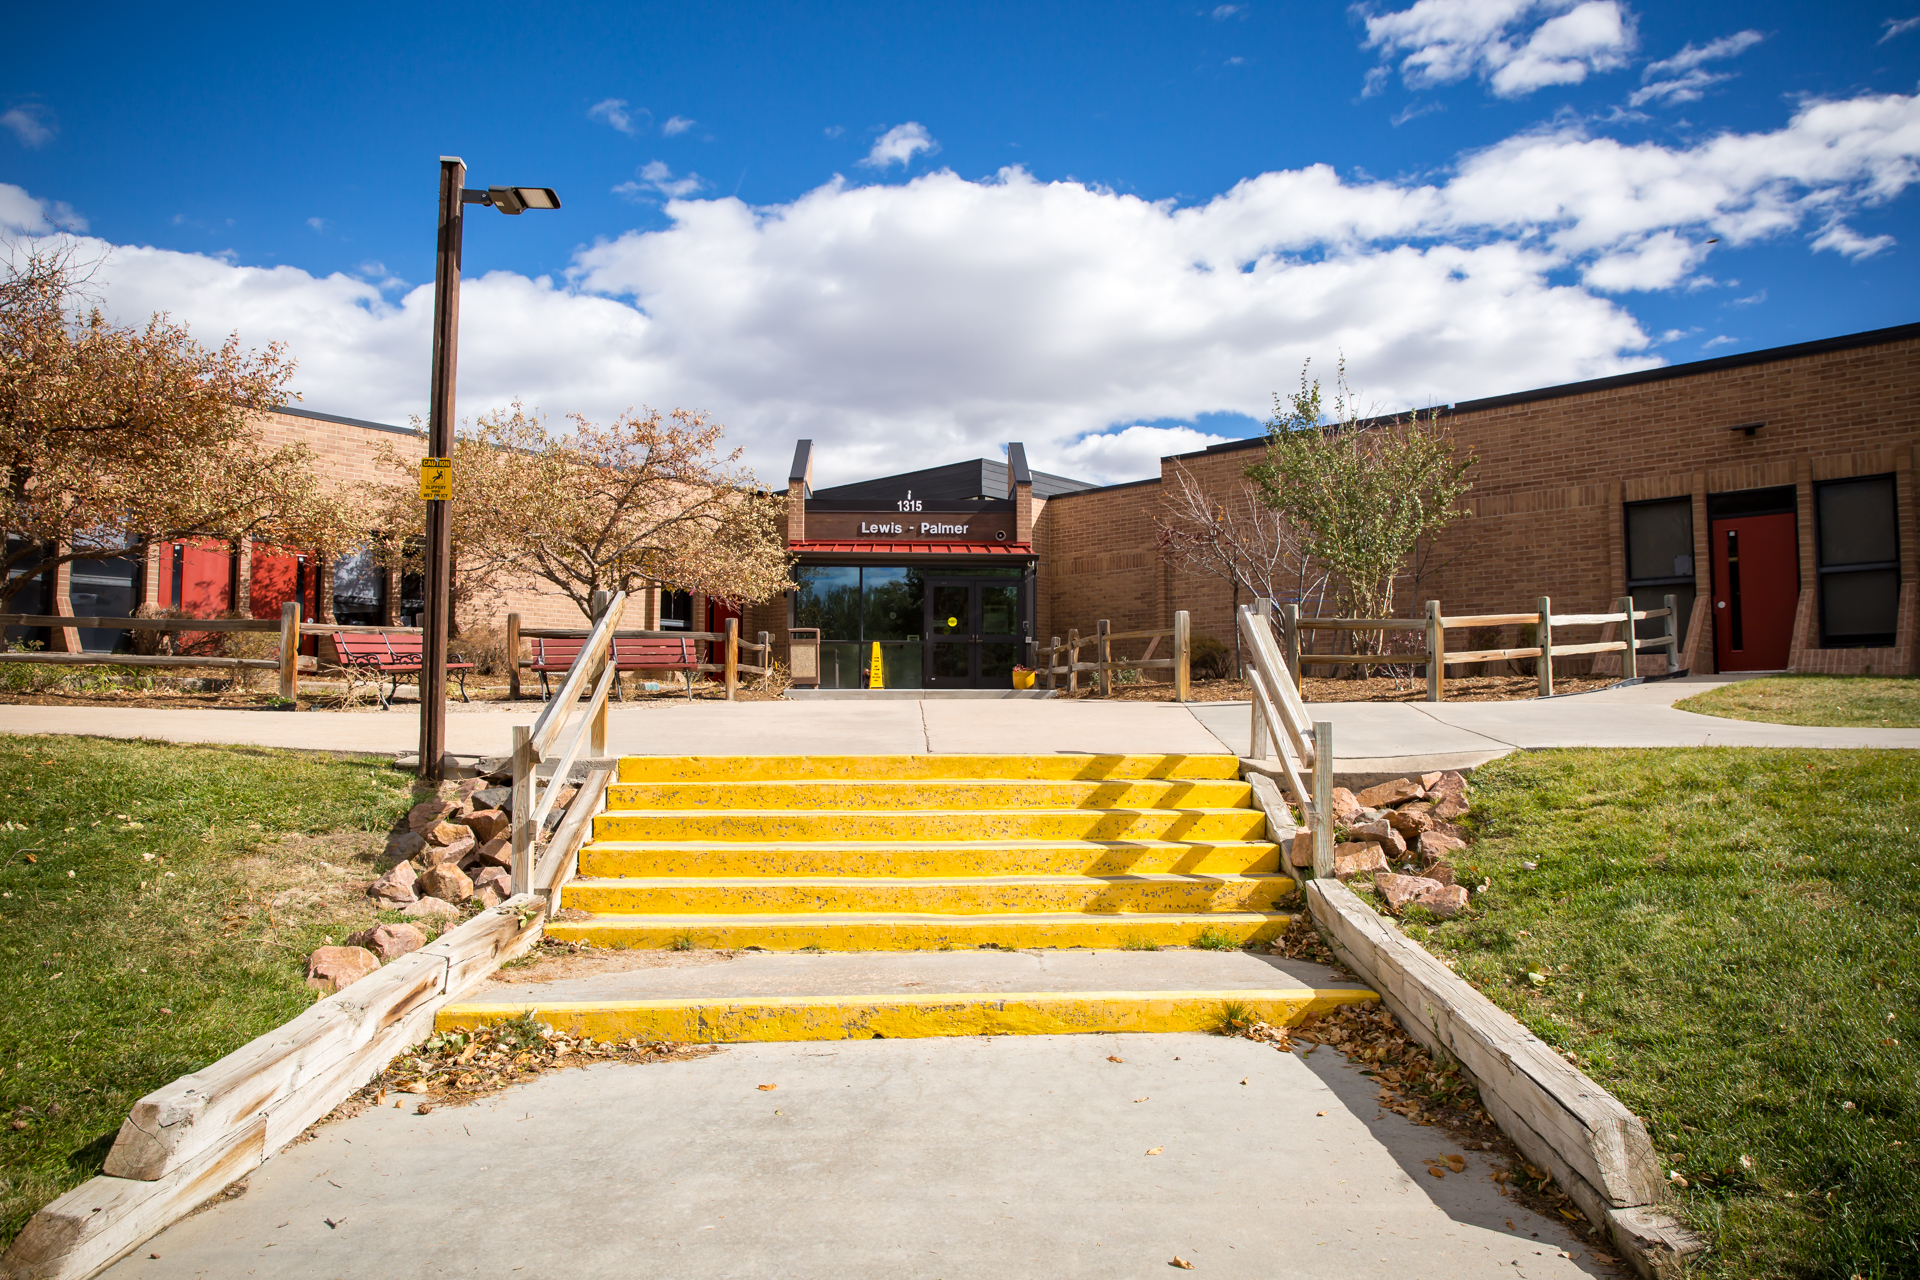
463, 688
546, 693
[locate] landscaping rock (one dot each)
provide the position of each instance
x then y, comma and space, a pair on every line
435, 854
493, 886
1409, 822
494, 798
444, 833
1345, 808
1444, 900
1300, 853
389, 941
1435, 845
404, 846
497, 852
1449, 902
1450, 796
428, 812
431, 907
488, 823
1441, 871
332, 969
1428, 781
467, 788
397, 886
1387, 794
1357, 859
447, 882
1381, 833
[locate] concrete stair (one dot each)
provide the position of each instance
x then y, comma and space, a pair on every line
925, 854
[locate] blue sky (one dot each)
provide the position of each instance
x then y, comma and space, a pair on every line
802, 217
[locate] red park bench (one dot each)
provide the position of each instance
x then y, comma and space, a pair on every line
396, 655
630, 653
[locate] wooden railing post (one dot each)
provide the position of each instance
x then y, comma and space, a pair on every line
1103, 655
1262, 731
1436, 654
513, 657
521, 819
733, 657
765, 640
598, 743
1073, 659
1545, 638
1290, 639
1182, 656
1629, 656
290, 650
1673, 635
1322, 798
1053, 653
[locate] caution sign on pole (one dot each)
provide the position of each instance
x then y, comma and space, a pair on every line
436, 479
873, 677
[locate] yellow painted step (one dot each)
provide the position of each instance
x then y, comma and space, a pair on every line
934, 824
930, 858
868, 1017
1061, 768
905, 932
932, 794
1022, 894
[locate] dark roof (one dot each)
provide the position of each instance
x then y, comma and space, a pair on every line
291, 411
1770, 355
957, 481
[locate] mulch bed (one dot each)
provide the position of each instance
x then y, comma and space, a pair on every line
1369, 689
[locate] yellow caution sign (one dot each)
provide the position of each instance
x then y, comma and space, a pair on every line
873, 677
436, 479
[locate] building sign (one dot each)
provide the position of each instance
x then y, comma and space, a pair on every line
927, 526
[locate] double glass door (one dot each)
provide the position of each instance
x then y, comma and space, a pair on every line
972, 632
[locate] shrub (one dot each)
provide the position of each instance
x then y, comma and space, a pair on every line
1210, 660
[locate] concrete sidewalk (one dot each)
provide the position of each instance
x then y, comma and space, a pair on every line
946, 1159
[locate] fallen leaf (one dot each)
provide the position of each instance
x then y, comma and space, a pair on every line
1154, 1151
423, 1109
1510, 1225
418, 1086
1319, 1113
1143, 1100
1457, 1163
1436, 1171
332, 1224
1111, 1058
1250, 1077
765, 1087
1181, 1263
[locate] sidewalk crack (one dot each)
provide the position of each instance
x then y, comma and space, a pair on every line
1422, 709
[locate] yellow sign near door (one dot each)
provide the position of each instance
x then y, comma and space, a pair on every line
873, 675
436, 479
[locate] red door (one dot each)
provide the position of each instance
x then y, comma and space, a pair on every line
198, 578
1756, 583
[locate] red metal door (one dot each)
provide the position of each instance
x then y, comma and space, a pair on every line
197, 578
1756, 583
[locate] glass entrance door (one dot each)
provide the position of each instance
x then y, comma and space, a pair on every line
973, 632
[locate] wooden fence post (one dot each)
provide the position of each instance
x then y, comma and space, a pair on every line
598, 733
1290, 639
1103, 654
1073, 657
1436, 654
1182, 656
1673, 635
1322, 798
1053, 651
290, 650
1629, 656
513, 657
521, 819
733, 656
1262, 731
1545, 637
765, 641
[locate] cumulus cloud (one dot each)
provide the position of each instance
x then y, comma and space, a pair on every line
1686, 79
932, 320
677, 125
1516, 46
22, 214
899, 145
616, 113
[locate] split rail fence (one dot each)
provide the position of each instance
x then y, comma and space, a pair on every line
1104, 665
1298, 748
731, 646
1435, 657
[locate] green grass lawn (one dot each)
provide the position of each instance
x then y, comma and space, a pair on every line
1887, 702
158, 904
1729, 939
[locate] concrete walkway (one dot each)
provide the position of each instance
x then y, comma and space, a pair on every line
994, 1158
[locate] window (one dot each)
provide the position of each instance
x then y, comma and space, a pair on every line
1859, 557
1660, 559
359, 590
676, 610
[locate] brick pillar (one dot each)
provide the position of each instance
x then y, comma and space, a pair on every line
63, 639
1702, 576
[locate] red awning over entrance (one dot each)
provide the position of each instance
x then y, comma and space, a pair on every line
1023, 549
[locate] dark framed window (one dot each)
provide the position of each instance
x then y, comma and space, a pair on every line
676, 610
1857, 535
359, 589
1660, 559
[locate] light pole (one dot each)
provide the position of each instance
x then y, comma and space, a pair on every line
436, 472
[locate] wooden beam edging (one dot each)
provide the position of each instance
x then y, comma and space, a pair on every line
187, 1140
1563, 1121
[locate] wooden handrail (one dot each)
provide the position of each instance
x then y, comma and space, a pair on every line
547, 726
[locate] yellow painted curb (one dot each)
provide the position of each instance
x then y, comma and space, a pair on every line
852, 932
929, 858
970, 896
935, 824
709, 1021
868, 793
1088, 768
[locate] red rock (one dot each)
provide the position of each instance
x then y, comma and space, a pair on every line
1345, 807
468, 788
444, 833
430, 907
398, 886
488, 896
497, 852
428, 812
1409, 822
1356, 859
447, 882
1300, 853
333, 969
1444, 900
1381, 833
389, 941
405, 845
494, 881
1387, 794
1441, 871
1450, 796
455, 852
1428, 781
488, 824
1435, 845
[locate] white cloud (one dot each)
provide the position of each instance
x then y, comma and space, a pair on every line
899, 145
1688, 81
1517, 46
31, 123
655, 176
929, 321
318, 224
1224, 11
1686, 88
21, 214
1720, 341
616, 113
1898, 27
834, 130
677, 125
